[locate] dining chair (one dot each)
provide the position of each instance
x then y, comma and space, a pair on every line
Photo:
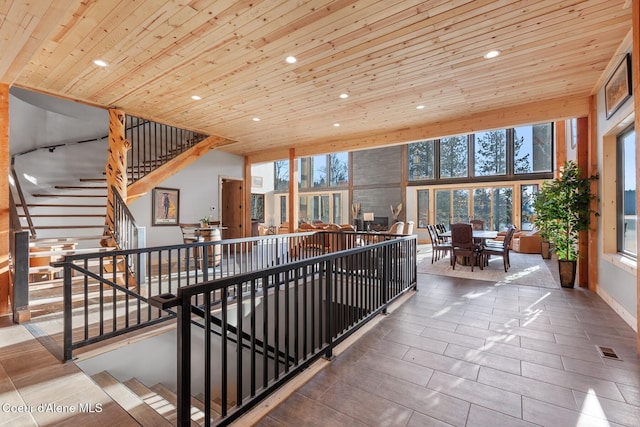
500, 250
463, 245
437, 247
396, 228
408, 228
477, 224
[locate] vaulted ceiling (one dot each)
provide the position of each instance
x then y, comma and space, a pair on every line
388, 56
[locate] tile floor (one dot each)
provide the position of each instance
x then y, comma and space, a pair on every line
470, 353
459, 352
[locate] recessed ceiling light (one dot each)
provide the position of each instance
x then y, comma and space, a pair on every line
492, 54
256, 119
196, 97
419, 107
291, 59
100, 63
336, 125
344, 95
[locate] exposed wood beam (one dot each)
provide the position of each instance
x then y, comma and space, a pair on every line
151, 180
558, 109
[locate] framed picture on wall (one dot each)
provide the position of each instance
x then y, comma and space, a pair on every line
165, 206
618, 88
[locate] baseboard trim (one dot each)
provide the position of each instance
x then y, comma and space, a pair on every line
629, 318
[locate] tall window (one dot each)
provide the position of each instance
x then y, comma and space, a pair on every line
527, 212
533, 148
443, 207
323, 171
281, 174
502, 207
490, 153
626, 206
423, 208
421, 160
482, 205
257, 207
454, 157
339, 169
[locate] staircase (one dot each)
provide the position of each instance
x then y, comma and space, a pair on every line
67, 219
154, 405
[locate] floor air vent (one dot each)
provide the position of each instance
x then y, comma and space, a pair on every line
607, 352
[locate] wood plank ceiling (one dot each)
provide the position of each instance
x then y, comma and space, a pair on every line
389, 56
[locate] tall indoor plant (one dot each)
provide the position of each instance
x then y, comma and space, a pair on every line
563, 209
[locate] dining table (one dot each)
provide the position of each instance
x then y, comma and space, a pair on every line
478, 235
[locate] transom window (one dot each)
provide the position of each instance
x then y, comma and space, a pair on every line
503, 154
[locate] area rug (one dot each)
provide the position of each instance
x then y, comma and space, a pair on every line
526, 269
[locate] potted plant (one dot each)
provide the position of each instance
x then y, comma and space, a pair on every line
563, 209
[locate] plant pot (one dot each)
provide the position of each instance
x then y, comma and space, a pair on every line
545, 249
567, 269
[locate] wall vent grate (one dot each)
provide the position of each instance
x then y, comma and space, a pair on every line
607, 352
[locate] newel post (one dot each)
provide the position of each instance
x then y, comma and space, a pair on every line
116, 167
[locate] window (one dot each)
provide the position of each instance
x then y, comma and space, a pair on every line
421, 160
527, 212
423, 208
626, 206
257, 207
502, 207
283, 209
443, 207
339, 169
454, 157
482, 205
533, 148
490, 149
324, 170
281, 174
319, 171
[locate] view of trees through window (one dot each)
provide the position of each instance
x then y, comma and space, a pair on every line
502, 153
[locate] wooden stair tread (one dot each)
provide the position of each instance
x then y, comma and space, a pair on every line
59, 205
127, 399
68, 195
44, 241
80, 187
69, 227
62, 252
64, 215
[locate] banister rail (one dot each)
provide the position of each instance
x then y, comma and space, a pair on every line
102, 300
23, 202
302, 309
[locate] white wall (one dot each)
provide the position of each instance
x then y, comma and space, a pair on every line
616, 282
199, 185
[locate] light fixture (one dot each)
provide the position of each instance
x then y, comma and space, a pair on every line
196, 97
419, 107
256, 119
492, 54
367, 217
344, 95
100, 63
291, 59
336, 125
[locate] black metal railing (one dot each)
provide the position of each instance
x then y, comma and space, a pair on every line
153, 144
106, 293
261, 328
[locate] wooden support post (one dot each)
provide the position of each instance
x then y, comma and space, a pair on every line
293, 191
116, 166
247, 199
5, 274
